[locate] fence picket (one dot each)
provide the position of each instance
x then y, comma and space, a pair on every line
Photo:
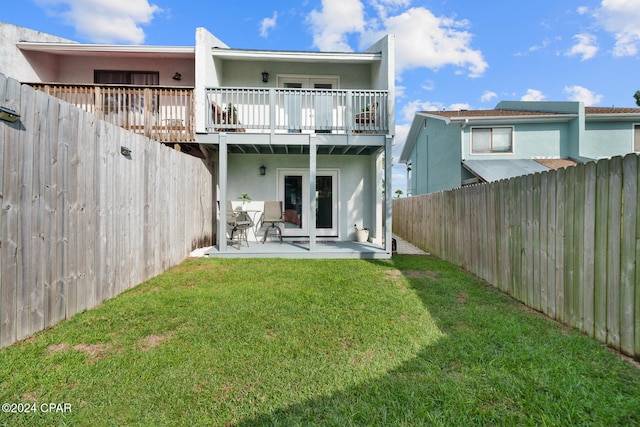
628, 251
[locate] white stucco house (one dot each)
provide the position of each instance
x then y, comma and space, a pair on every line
313, 130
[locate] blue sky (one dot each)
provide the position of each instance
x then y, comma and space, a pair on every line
449, 54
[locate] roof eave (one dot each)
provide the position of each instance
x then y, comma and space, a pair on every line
80, 48
504, 120
613, 117
295, 56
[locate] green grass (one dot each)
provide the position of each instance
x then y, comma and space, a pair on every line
409, 341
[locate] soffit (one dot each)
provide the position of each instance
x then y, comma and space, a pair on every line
296, 56
103, 50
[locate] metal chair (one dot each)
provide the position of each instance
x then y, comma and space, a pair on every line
239, 223
272, 215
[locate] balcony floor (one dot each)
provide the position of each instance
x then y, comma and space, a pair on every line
299, 248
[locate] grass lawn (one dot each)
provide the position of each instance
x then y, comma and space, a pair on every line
250, 342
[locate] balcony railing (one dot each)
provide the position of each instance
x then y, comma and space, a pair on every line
297, 110
164, 114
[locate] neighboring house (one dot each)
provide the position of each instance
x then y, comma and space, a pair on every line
449, 149
313, 130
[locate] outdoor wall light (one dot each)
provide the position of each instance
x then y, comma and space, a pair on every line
125, 151
265, 76
177, 76
263, 169
8, 115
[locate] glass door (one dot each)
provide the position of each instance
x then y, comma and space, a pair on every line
306, 109
293, 185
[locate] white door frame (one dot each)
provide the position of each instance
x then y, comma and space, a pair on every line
304, 173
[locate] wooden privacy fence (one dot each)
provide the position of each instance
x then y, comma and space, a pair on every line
80, 222
563, 242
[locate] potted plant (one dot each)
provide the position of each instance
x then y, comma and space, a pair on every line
244, 197
362, 234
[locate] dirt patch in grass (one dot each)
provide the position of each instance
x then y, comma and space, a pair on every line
94, 351
29, 396
57, 348
152, 341
411, 274
421, 274
461, 298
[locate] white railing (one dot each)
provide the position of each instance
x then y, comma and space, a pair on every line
297, 110
164, 114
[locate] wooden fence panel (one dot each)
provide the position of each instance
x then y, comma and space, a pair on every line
628, 252
588, 276
10, 215
79, 222
613, 252
564, 242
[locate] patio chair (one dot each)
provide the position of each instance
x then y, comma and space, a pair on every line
239, 222
273, 215
366, 120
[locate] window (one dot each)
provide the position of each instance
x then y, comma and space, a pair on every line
636, 138
492, 140
140, 78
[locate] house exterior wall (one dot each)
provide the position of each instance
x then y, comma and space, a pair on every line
249, 73
435, 158
27, 67
207, 73
607, 139
354, 189
530, 140
79, 69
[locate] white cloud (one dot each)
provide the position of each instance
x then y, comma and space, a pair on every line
421, 38
533, 95
459, 106
540, 46
105, 21
411, 108
579, 93
488, 95
385, 7
268, 24
331, 25
425, 40
622, 19
428, 85
586, 46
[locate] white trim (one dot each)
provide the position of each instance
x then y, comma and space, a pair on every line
295, 56
307, 80
334, 231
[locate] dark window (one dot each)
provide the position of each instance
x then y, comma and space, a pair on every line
115, 77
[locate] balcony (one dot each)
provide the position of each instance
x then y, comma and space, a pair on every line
278, 110
164, 114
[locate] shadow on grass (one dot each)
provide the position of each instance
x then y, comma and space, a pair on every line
496, 365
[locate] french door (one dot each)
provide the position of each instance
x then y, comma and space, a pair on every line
304, 112
293, 191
